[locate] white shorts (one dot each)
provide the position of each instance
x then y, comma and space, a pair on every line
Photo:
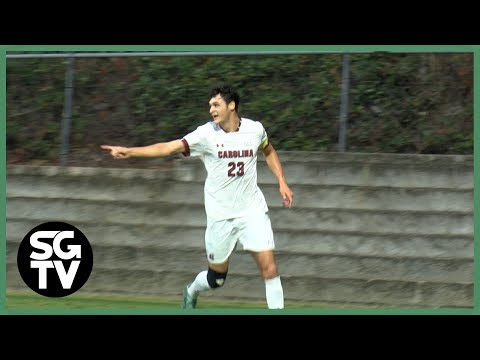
253, 232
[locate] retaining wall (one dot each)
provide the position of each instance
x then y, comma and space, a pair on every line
365, 230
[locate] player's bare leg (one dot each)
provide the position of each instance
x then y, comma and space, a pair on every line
268, 270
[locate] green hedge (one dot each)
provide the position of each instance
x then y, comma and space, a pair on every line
398, 103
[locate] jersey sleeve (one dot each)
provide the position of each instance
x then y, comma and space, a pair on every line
264, 138
194, 142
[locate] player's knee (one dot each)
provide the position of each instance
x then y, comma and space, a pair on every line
269, 271
215, 279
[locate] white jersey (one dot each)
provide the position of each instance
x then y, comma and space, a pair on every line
230, 158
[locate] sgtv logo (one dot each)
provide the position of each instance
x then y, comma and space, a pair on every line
55, 259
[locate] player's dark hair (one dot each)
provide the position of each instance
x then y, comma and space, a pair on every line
227, 93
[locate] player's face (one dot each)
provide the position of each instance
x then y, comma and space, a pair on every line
218, 109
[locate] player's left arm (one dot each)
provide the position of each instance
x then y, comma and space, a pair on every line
273, 162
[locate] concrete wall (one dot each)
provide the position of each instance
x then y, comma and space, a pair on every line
366, 229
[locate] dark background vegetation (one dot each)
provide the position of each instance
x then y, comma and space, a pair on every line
398, 102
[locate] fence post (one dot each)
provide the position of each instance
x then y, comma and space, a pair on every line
67, 111
344, 102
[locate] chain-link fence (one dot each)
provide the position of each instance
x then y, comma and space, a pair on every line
61, 107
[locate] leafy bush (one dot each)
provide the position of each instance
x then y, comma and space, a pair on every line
398, 103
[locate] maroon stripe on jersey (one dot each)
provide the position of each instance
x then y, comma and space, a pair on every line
187, 148
222, 128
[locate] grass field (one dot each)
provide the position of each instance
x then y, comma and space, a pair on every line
29, 303
18, 301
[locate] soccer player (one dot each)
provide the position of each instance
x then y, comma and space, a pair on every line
235, 206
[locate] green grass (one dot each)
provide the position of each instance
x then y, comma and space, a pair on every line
33, 301
30, 303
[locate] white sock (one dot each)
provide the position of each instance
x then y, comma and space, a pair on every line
199, 284
274, 292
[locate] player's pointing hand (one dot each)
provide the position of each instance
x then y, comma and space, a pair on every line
117, 152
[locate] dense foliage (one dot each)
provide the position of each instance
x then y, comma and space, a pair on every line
398, 103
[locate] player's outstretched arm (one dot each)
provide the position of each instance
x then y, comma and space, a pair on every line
155, 150
275, 166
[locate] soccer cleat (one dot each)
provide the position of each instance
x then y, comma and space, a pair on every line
189, 302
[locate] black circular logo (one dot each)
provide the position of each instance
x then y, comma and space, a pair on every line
55, 259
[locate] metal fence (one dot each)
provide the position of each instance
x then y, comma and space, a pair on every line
70, 83
338, 110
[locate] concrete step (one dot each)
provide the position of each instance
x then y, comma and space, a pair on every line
299, 242
395, 170
361, 174
290, 264
320, 196
303, 289
375, 221
101, 212
309, 168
